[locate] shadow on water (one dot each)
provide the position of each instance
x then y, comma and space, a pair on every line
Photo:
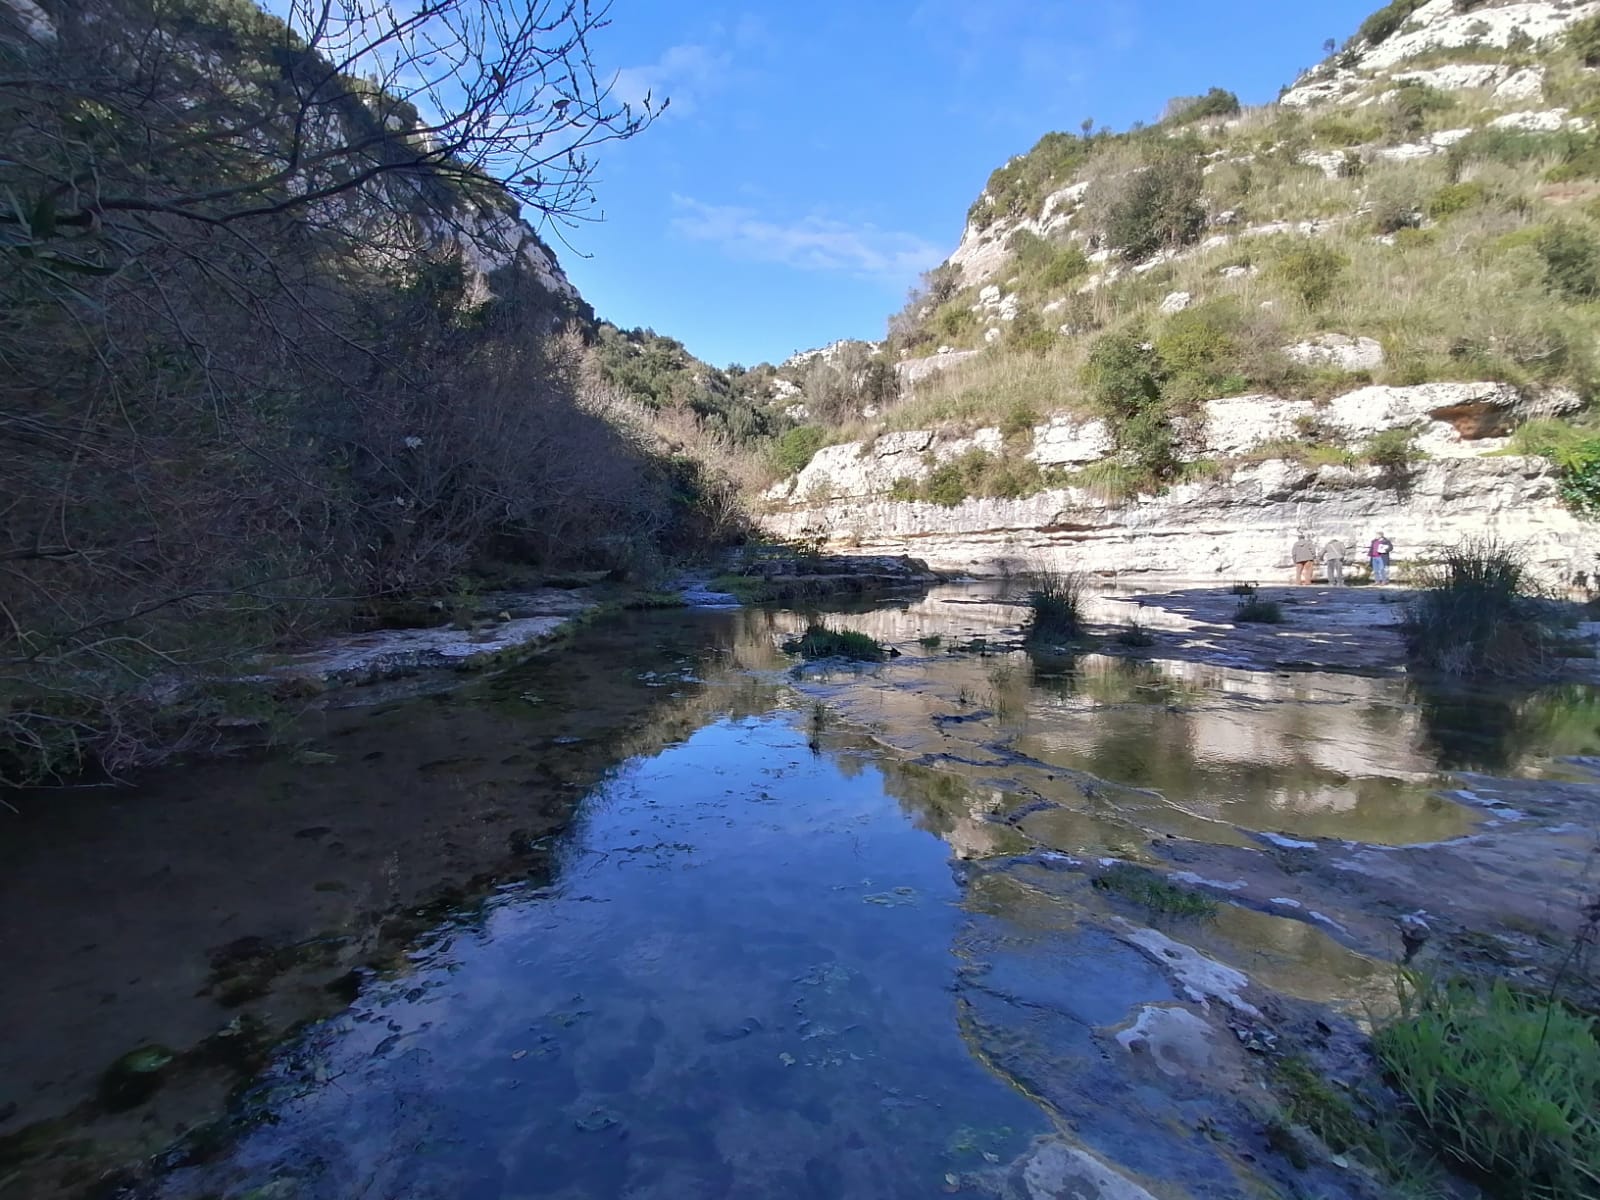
1504, 728
662, 915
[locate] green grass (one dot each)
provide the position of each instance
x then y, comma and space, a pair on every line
931, 642
1149, 890
819, 641
1502, 1085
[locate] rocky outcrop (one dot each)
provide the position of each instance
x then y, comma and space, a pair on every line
1239, 523
1238, 527
1443, 25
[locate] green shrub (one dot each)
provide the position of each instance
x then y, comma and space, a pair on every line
1576, 454
1512, 147
1254, 610
1409, 104
1151, 891
1151, 209
1503, 1084
1310, 270
1123, 376
1456, 198
1055, 599
1393, 201
1199, 351
1028, 334
1477, 614
1020, 186
1581, 162
1217, 102
954, 320
1583, 39
1571, 261
796, 447
1020, 418
1381, 25
1045, 264
1394, 450
819, 641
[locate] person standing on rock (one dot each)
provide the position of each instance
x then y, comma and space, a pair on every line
1379, 553
1333, 559
1305, 558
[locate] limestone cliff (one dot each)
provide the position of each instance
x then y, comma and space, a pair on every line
1343, 312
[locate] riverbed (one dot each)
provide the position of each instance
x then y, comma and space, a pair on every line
666, 913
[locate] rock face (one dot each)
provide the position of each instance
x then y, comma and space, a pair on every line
1442, 25
1237, 525
1240, 527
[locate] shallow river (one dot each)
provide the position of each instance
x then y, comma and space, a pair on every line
821, 933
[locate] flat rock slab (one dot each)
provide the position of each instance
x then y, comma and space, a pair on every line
360, 658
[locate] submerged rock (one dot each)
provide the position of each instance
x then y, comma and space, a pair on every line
134, 1077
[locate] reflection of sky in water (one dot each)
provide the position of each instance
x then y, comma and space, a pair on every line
756, 975
740, 986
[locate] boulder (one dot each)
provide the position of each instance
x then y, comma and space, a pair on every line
1069, 442
1337, 350
1176, 302
1238, 424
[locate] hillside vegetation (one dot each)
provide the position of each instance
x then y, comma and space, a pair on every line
276, 346
1445, 204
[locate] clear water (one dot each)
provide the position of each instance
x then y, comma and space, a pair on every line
805, 937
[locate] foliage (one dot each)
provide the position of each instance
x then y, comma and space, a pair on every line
1046, 265
1152, 207
1394, 199
977, 473
1477, 614
1571, 261
1310, 270
1395, 450
1408, 106
1149, 890
1503, 1084
1123, 377
1055, 601
796, 447
1217, 102
1200, 350
1020, 186
1576, 454
1456, 198
819, 641
1381, 25
1254, 610
1583, 39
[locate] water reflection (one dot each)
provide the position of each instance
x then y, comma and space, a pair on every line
1507, 728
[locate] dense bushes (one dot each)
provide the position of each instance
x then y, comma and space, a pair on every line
1152, 205
1021, 185
1383, 24
795, 447
977, 473
250, 380
1311, 271
1576, 454
1217, 102
1571, 261
1477, 615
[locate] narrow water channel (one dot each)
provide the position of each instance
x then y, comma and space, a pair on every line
719, 927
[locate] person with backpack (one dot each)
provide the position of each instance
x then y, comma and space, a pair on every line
1378, 553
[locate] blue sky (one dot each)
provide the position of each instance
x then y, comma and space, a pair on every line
818, 156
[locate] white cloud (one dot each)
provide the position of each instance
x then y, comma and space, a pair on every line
686, 74
812, 243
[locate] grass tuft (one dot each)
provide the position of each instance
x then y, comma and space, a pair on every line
1056, 600
1478, 614
1253, 610
1150, 890
819, 641
1504, 1085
